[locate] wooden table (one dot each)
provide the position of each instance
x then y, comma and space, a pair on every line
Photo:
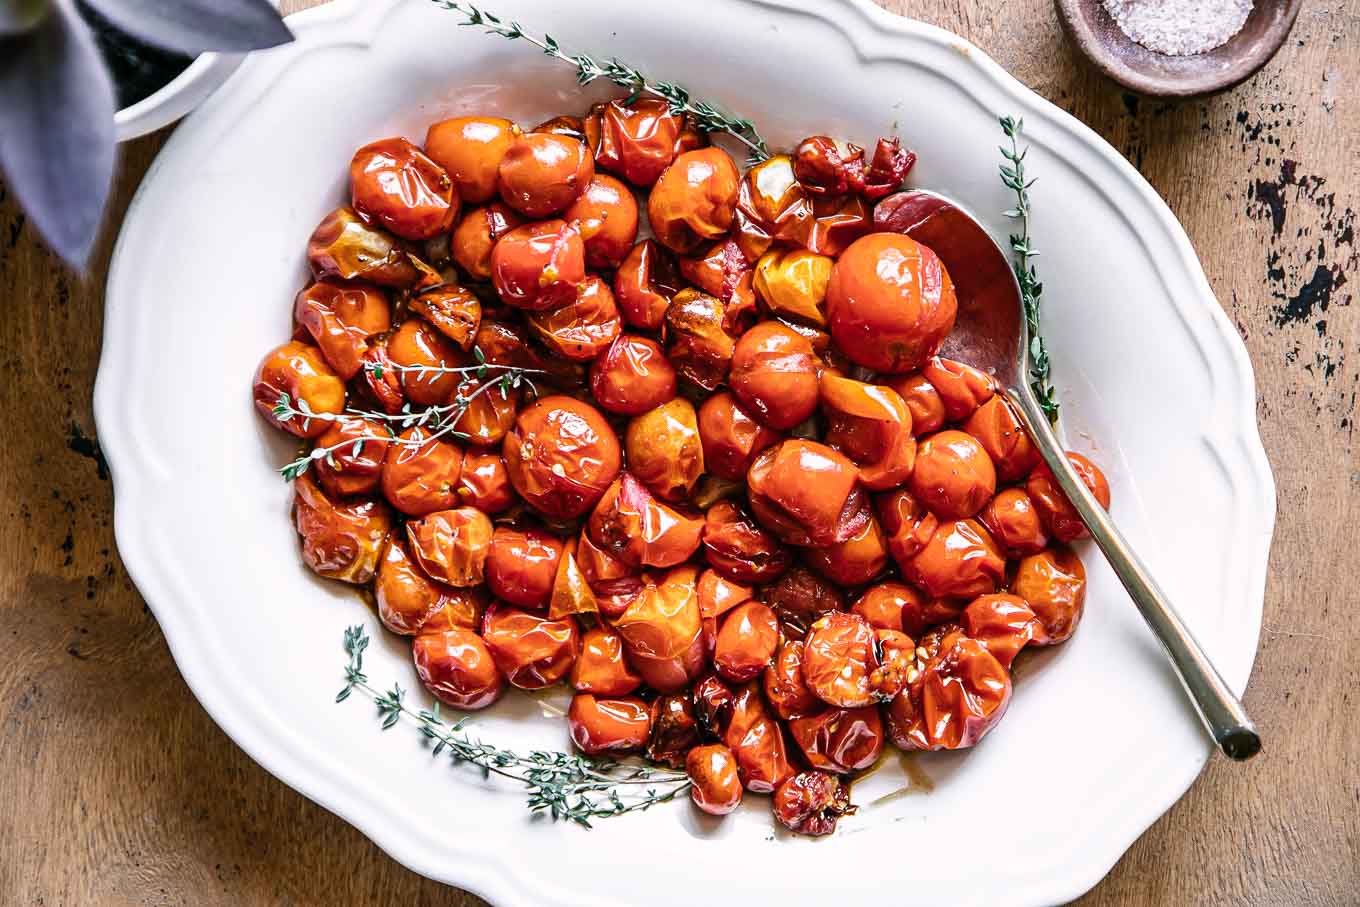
117, 787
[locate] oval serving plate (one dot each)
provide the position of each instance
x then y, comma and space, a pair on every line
1154, 381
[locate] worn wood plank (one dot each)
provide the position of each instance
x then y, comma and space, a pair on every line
122, 790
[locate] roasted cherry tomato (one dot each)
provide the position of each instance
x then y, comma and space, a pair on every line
827, 166
738, 548
645, 284
562, 456
662, 631
394, 184
731, 437
521, 566
887, 168
532, 651
807, 494
542, 173
792, 284
455, 665
539, 266
961, 560
894, 606
747, 639
355, 463
454, 312
890, 303
700, 346
636, 140
1053, 583
871, 425
406, 597
840, 740
607, 215
664, 451
1005, 624
632, 376
998, 428
959, 692
799, 598
571, 592
565, 124
614, 582
451, 545
855, 561
1054, 508
601, 668
810, 803
723, 271
421, 480
839, 222
300, 372
455, 608
907, 523
694, 199
774, 374
341, 316
839, 655
341, 541
343, 246
633, 526
1014, 523
584, 327
477, 234
715, 787
608, 727
785, 690
961, 387
378, 380
718, 595
417, 344
713, 703
675, 730
757, 741
922, 399
470, 150
953, 475
485, 482
772, 206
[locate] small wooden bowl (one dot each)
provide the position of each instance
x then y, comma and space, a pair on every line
1147, 72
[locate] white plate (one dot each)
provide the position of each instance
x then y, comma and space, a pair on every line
1155, 384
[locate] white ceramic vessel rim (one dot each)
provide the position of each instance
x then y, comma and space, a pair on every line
492, 876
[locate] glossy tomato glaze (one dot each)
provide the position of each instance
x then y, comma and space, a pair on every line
735, 499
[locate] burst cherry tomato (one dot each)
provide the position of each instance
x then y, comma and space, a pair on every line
635, 140
662, 631
633, 526
470, 150
675, 730
539, 266
840, 740
757, 741
953, 475
1014, 523
712, 771
961, 560
521, 566
455, 312
451, 545
799, 598
455, 665
871, 425
731, 437
394, 184
607, 215
959, 693
645, 284
632, 376
341, 316
664, 450
601, 668
907, 523
542, 173
961, 387
890, 303
406, 597
355, 463
738, 548
785, 690
584, 327
485, 482
746, 641
1053, 584
299, 371
532, 652
838, 657
421, 480
774, 374
924, 402
893, 606
1005, 624
476, 236
562, 456
792, 284
829, 167
997, 426
701, 347
807, 494
694, 199
343, 246
416, 344
810, 803
339, 540
855, 561
612, 727
1054, 508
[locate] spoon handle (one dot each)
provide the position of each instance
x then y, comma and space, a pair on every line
1219, 710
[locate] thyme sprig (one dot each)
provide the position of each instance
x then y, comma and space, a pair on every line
1013, 175
706, 116
564, 785
439, 420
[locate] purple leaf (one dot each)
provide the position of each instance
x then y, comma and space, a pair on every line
18, 16
56, 129
195, 26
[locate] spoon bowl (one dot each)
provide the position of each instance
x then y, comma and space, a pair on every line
991, 333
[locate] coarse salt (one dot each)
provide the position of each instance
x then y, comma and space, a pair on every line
1179, 27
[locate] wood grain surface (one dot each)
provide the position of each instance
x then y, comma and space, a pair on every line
116, 787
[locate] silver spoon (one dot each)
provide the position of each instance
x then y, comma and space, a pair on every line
992, 334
